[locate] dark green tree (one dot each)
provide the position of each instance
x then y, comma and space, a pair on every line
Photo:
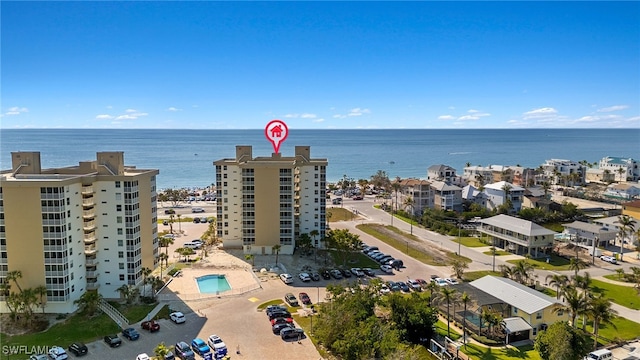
562, 342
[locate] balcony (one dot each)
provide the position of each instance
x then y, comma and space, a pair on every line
89, 225
90, 250
91, 262
88, 201
87, 190
88, 214
92, 274
93, 285
90, 238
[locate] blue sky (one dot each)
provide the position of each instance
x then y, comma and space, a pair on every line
324, 65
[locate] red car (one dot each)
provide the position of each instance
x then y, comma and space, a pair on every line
281, 321
304, 298
357, 197
152, 325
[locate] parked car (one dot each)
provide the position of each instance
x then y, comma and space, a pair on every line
384, 289
368, 272
183, 351
304, 297
78, 349
315, 276
326, 275
57, 353
609, 259
451, 281
393, 286
218, 346
177, 317
396, 264
113, 340
387, 269
304, 277
278, 327
414, 285
440, 281
385, 259
197, 210
169, 212
131, 334
293, 333
403, 286
291, 299
357, 272
278, 314
357, 197
200, 347
196, 220
143, 356
282, 320
286, 278
41, 356
273, 308
152, 325
336, 274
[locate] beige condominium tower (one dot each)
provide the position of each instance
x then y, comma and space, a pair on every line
77, 228
268, 201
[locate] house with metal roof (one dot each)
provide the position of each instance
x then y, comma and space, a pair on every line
529, 311
518, 236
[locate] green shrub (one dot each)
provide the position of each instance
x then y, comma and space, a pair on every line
485, 340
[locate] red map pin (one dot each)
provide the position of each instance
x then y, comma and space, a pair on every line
276, 132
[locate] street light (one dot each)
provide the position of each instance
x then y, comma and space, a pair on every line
459, 239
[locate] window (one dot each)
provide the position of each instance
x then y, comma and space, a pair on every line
119, 231
121, 254
117, 184
535, 331
538, 316
119, 219
118, 196
560, 312
120, 242
121, 277
121, 266
118, 207
515, 310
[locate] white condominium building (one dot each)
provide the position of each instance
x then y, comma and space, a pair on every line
623, 169
78, 228
268, 201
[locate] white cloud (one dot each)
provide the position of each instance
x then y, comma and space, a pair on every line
358, 112
475, 115
446, 117
319, 120
468, 117
131, 115
540, 113
131, 111
104, 117
173, 109
473, 111
308, 116
613, 108
339, 116
16, 111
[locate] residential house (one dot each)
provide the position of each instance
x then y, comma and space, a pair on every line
421, 193
624, 169
585, 234
446, 196
529, 311
632, 208
441, 173
603, 176
562, 172
625, 191
478, 176
497, 196
516, 235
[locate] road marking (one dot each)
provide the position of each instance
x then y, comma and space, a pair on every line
254, 299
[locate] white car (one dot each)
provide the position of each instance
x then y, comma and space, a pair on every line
39, 357
387, 269
143, 356
440, 281
357, 272
218, 346
451, 281
414, 285
177, 317
305, 277
609, 259
384, 289
58, 353
286, 278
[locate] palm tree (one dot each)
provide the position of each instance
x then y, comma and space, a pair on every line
179, 223
458, 267
508, 204
171, 220
546, 186
165, 242
89, 302
627, 227
125, 292
249, 257
409, 203
576, 303
449, 295
14, 276
396, 187
432, 286
583, 282
466, 300
145, 272
42, 293
559, 281
621, 171
163, 257
277, 248
577, 264
522, 271
161, 350
600, 311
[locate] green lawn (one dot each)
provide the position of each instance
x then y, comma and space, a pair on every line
339, 214
78, 327
498, 253
475, 275
624, 329
470, 242
403, 242
555, 263
483, 353
616, 277
623, 295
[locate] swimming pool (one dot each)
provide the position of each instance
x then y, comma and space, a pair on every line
213, 284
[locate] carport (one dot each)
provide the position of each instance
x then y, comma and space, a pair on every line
516, 329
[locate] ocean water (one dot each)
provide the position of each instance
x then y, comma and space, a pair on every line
185, 157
